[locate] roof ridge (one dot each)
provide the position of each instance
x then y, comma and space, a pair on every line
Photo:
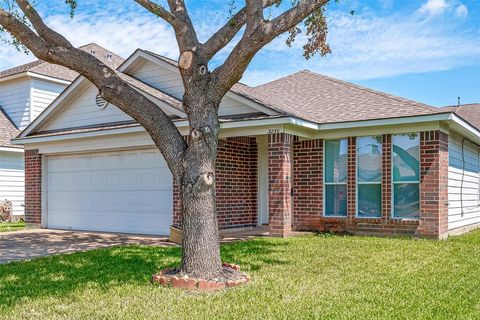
380, 93
462, 105
280, 79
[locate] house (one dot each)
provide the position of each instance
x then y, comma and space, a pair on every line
304, 152
25, 91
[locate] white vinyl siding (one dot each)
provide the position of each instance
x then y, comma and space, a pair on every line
83, 111
464, 168
43, 93
15, 100
170, 82
161, 78
122, 191
12, 181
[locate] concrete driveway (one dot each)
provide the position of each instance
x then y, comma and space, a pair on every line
30, 244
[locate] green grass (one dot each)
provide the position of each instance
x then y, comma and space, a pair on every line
15, 226
330, 277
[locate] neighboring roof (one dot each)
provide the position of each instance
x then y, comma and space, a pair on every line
59, 72
322, 99
468, 112
8, 130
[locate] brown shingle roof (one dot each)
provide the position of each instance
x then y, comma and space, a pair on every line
8, 130
59, 72
469, 112
322, 99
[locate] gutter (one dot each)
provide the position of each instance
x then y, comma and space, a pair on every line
183, 124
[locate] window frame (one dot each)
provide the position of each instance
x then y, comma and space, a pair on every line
393, 182
357, 181
325, 183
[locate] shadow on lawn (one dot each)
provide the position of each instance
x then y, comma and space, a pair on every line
105, 268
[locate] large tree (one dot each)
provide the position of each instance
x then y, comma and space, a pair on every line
191, 162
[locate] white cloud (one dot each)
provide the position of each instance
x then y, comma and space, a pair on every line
434, 7
368, 47
461, 11
386, 4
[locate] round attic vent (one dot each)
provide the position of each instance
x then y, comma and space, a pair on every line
101, 103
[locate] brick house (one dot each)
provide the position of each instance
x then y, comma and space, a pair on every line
304, 152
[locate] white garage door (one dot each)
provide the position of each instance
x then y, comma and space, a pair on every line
126, 191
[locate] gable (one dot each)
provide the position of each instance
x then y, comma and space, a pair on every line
15, 100
83, 111
167, 79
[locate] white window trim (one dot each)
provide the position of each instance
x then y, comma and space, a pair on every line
325, 184
368, 183
393, 183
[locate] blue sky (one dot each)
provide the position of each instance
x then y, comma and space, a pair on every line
426, 50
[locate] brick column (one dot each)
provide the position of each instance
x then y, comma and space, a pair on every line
307, 184
33, 187
387, 177
279, 184
351, 182
433, 184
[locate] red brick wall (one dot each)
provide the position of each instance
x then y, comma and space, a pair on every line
386, 176
307, 183
33, 187
434, 184
279, 184
308, 161
351, 182
236, 181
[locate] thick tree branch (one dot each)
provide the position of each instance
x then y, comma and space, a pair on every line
226, 75
112, 87
45, 32
185, 32
226, 33
158, 10
254, 15
23, 33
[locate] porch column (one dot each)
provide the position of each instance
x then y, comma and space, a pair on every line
280, 184
33, 187
433, 184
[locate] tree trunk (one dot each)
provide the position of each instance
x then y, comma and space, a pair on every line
201, 248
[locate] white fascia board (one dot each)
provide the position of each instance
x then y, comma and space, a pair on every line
11, 149
15, 76
183, 125
43, 77
385, 122
464, 128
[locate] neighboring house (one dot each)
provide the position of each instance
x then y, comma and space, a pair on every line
25, 91
304, 152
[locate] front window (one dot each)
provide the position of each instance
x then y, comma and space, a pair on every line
335, 173
406, 175
369, 177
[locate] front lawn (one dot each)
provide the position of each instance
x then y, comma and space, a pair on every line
15, 226
332, 277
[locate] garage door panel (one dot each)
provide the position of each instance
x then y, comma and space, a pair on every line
127, 191
140, 179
